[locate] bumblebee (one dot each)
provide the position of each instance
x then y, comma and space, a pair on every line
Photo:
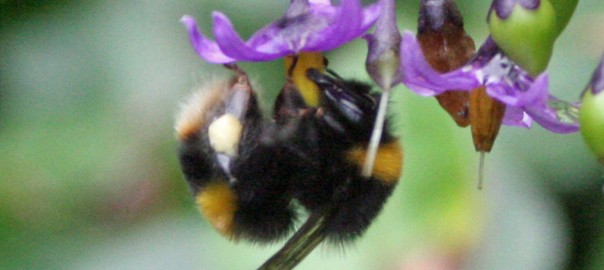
250, 174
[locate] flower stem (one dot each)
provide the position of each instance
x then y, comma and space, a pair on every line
302, 243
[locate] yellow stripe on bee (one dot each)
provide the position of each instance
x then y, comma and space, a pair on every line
388, 162
306, 60
218, 203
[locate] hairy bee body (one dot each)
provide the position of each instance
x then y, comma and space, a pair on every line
247, 171
240, 191
342, 128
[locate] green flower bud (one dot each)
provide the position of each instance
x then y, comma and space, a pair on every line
525, 34
591, 114
591, 118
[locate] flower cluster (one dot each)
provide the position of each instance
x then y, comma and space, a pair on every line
317, 25
527, 98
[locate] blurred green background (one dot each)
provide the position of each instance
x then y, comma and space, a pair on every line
89, 177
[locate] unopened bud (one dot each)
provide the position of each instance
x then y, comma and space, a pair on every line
591, 114
446, 47
525, 31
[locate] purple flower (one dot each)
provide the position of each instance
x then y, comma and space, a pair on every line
308, 25
526, 98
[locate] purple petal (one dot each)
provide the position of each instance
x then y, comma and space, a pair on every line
231, 44
515, 116
370, 14
204, 47
345, 26
314, 27
423, 80
296, 8
554, 120
274, 38
548, 120
536, 94
308, 25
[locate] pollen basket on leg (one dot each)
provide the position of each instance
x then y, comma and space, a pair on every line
388, 163
217, 202
193, 113
224, 134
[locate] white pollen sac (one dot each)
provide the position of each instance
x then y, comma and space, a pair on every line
224, 134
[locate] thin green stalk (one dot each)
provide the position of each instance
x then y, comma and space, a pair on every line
302, 243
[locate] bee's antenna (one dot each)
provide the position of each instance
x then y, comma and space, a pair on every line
333, 73
241, 75
235, 68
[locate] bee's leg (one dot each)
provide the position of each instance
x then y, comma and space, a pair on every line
260, 177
